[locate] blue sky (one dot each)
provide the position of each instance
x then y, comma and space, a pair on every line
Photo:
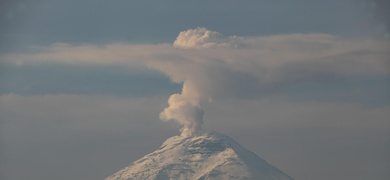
303, 84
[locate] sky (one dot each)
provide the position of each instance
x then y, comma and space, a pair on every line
87, 87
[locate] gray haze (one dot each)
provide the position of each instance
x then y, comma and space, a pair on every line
83, 83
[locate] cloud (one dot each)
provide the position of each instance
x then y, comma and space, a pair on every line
269, 57
199, 38
211, 66
185, 112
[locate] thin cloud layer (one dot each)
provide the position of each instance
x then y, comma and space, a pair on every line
279, 53
211, 66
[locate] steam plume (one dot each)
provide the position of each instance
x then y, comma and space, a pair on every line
185, 108
185, 112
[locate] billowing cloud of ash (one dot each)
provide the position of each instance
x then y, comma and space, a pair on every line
232, 73
198, 82
203, 38
185, 108
184, 111
211, 66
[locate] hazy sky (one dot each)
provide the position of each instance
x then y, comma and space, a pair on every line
304, 84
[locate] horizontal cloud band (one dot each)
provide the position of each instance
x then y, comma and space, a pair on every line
211, 66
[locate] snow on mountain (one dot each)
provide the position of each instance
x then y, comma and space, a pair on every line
207, 156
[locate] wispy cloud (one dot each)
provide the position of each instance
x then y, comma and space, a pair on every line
203, 55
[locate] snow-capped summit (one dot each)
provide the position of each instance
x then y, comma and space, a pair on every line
207, 156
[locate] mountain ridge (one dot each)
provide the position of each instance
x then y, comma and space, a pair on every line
203, 157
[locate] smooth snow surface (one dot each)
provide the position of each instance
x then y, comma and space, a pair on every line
207, 156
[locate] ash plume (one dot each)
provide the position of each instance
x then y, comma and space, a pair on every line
184, 111
211, 66
186, 107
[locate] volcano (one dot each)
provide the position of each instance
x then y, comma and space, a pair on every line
203, 157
